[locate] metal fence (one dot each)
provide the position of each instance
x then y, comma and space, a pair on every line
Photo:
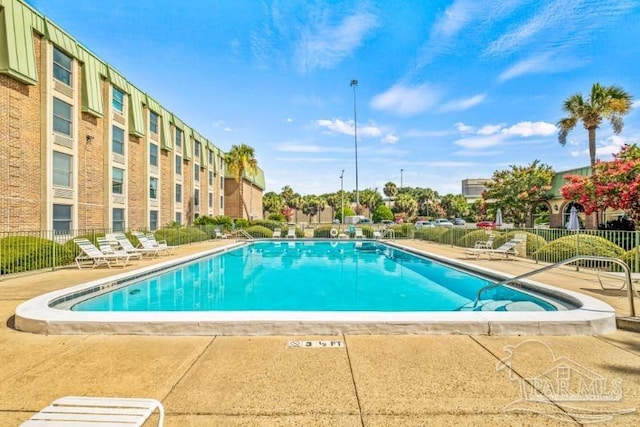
30, 251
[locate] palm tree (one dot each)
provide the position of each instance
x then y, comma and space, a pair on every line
296, 203
287, 194
241, 160
272, 202
604, 102
390, 190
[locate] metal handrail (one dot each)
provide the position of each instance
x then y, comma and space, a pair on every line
244, 233
389, 232
627, 270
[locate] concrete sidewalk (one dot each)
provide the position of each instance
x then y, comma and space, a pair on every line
370, 381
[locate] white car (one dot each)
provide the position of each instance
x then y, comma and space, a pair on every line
442, 222
424, 224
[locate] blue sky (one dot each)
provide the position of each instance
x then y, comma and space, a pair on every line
447, 90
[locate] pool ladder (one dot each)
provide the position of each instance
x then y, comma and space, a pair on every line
625, 267
243, 233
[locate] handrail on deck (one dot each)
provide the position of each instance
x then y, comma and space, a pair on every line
627, 270
389, 232
244, 233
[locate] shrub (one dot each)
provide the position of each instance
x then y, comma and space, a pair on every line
222, 221
323, 231
259, 231
347, 212
276, 217
582, 244
404, 230
382, 212
24, 253
242, 223
630, 258
430, 234
270, 224
181, 236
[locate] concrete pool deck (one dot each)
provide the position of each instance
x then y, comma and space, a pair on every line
376, 380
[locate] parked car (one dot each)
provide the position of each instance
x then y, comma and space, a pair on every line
386, 222
458, 221
486, 224
424, 224
365, 221
443, 222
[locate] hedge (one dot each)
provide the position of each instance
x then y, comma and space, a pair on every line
23, 253
582, 244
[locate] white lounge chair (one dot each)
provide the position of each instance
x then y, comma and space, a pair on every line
621, 282
377, 235
91, 253
112, 247
219, 234
277, 233
291, 233
130, 249
485, 244
358, 234
96, 411
505, 251
153, 243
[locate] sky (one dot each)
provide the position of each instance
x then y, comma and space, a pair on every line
447, 90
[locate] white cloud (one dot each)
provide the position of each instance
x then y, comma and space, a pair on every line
527, 129
289, 120
463, 104
218, 123
337, 126
636, 104
406, 100
390, 138
296, 147
228, 129
474, 142
462, 128
489, 129
533, 64
417, 133
322, 45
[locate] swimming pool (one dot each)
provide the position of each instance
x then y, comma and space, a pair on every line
311, 287
314, 276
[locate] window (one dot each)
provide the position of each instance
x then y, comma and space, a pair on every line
178, 138
210, 177
196, 148
61, 218
117, 181
62, 66
153, 122
153, 188
196, 197
210, 200
210, 157
179, 217
153, 154
61, 117
153, 220
221, 182
117, 222
117, 100
117, 140
196, 172
62, 169
221, 202
178, 165
178, 193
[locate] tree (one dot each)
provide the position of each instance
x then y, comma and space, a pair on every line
333, 201
382, 212
454, 205
287, 194
610, 103
390, 190
310, 206
272, 202
614, 184
370, 198
406, 204
347, 212
296, 202
241, 160
518, 190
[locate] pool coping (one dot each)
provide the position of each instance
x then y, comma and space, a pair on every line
594, 317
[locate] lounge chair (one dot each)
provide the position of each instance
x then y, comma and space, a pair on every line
219, 234
161, 244
485, 244
277, 233
635, 278
505, 251
291, 233
96, 411
111, 246
358, 234
91, 253
130, 249
377, 235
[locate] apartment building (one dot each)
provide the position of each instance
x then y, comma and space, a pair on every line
81, 147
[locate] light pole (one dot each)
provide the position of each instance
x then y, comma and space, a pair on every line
401, 170
354, 83
342, 197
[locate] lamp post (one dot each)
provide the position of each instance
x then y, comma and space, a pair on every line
354, 83
401, 170
342, 197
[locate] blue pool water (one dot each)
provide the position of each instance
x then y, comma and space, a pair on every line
312, 276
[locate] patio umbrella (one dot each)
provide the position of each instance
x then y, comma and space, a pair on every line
499, 218
573, 223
